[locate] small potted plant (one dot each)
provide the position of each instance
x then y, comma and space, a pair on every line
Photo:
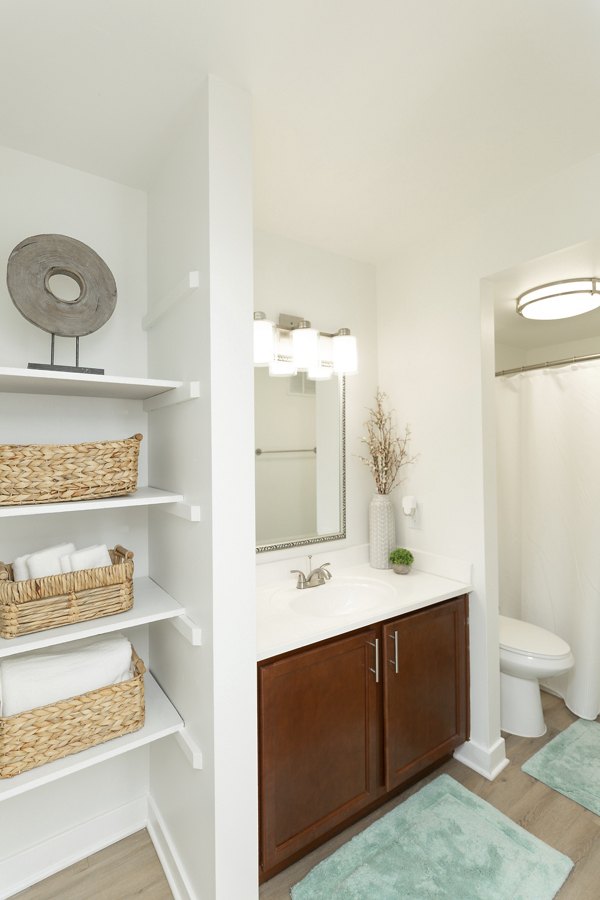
401, 560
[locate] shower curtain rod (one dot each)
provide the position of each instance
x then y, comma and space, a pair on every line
569, 361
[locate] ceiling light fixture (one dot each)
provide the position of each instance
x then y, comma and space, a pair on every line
294, 346
560, 300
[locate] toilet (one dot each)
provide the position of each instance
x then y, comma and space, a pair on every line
527, 653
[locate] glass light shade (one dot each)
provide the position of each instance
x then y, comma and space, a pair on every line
282, 363
264, 340
560, 300
323, 370
345, 357
305, 344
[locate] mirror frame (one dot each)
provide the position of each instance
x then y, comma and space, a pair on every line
341, 534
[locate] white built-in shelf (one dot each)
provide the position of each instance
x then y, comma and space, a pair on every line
145, 496
150, 604
162, 719
75, 384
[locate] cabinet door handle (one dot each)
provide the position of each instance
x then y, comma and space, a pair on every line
375, 671
395, 661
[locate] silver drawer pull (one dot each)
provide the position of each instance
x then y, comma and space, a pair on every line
395, 661
375, 671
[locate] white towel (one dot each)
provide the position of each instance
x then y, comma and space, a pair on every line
52, 674
47, 562
90, 557
19, 567
65, 563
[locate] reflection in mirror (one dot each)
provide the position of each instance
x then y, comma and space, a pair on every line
300, 470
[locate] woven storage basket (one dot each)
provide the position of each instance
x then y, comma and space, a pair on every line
41, 735
40, 603
50, 473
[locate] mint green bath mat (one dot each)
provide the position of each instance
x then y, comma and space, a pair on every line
443, 842
570, 764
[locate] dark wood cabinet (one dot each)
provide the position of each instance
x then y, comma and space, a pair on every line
345, 723
319, 742
424, 689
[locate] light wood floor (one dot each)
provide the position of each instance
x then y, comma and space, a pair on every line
131, 868
122, 871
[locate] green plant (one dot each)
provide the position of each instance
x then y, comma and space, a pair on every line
401, 557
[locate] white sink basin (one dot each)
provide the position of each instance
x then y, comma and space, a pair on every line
342, 596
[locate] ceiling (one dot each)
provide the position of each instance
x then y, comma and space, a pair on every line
375, 124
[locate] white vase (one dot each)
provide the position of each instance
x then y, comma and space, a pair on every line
382, 531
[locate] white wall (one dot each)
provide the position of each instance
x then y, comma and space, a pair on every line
36, 197
332, 292
433, 311
41, 197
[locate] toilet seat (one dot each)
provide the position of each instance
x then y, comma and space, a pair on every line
526, 639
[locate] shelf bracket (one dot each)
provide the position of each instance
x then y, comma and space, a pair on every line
185, 287
191, 632
190, 390
186, 511
189, 748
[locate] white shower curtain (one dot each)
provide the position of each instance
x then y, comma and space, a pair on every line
548, 425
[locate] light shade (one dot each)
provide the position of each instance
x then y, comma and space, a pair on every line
345, 358
264, 340
323, 370
305, 346
282, 364
560, 300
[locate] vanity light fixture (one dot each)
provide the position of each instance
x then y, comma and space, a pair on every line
560, 299
264, 340
305, 346
283, 363
293, 345
345, 359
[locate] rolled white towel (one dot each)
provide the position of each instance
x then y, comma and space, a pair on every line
65, 563
19, 567
52, 674
47, 562
90, 557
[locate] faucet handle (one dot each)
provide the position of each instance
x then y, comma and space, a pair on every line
301, 577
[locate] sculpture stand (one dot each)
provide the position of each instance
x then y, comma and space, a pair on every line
76, 368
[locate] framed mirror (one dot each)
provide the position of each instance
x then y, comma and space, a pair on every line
300, 428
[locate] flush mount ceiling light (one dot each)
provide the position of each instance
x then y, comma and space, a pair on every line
560, 300
294, 346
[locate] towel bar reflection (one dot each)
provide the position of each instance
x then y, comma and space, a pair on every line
260, 452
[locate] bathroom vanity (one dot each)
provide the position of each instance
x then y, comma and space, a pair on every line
346, 722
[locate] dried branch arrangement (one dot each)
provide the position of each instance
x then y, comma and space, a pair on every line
387, 453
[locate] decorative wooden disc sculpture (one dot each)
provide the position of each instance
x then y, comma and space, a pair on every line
31, 266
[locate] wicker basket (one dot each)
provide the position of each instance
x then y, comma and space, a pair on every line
50, 473
40, 603
41, 735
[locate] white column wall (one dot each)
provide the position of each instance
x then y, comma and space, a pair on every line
433, 349
200, 218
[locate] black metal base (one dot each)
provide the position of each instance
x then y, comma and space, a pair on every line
51, 368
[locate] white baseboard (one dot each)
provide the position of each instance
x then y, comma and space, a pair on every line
51, 856
170, 860
486, 761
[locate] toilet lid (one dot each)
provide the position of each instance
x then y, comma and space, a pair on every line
531, 640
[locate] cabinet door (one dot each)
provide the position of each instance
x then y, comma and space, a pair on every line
318, 742
425, 688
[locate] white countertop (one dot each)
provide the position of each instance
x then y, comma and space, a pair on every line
281, 628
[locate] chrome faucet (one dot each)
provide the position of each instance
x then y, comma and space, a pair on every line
315, 577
